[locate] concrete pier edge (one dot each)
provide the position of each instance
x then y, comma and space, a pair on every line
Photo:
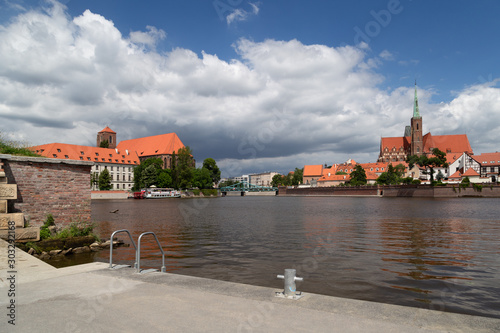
94, 298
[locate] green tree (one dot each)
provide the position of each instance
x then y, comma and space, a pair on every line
358, 176
164, 179
392, 176
105, 180
297, 176
202, 178
211, 166
149, 176
277, 180
428, 163
104, 144
184, 167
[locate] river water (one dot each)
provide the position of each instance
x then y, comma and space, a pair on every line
440, 254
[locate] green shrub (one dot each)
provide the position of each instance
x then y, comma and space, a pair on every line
477, 187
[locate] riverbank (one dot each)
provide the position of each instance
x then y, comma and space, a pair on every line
93, 297
392, 191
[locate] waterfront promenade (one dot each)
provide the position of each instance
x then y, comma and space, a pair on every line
93, 298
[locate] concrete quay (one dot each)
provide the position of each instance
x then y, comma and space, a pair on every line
94, 298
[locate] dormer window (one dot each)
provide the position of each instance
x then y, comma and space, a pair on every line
58, 150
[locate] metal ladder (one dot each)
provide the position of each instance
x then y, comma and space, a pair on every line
137, 264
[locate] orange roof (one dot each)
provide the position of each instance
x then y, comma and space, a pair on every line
313, 170
153, 145
66, 151
470, 172
488, 159
333, 177
457, 143
395, 142
456, 175
107, 130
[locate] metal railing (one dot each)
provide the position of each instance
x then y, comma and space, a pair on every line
111, 248
138, 252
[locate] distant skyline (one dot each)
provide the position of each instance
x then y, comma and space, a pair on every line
256, 85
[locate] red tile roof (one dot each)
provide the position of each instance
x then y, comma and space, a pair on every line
486, 159
313, 170
456, 143
470, 172
456, 175
107, 130
395, 142
153, 145
86, 153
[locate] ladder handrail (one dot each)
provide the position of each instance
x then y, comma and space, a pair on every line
138, 252
111, 246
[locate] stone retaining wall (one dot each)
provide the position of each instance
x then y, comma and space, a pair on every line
49, 186
329, 191
410, 191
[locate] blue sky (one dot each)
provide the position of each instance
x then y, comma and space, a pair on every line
259, 86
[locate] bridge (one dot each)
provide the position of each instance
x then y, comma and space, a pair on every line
247, 187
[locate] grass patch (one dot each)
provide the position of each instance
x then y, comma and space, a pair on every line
15, 148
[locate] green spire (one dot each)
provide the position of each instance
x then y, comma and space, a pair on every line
416, 113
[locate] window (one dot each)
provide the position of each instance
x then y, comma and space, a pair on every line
66, 156
88, 158
96, 159
96, 154
54, 155
58, 150
81, 157
111, 168
110, 155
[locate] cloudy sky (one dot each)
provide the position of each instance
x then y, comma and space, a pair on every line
259, 86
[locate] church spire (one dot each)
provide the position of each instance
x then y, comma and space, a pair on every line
416, 113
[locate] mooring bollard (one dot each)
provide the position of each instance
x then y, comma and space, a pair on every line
290, 290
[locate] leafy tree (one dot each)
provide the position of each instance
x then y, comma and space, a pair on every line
202, 178
164, 179
341, 173
439, 176
392, 176
358, 176
438, 160
184, 168
104, 144
105, 180
277, 180
297, 176
149, 176
211, 166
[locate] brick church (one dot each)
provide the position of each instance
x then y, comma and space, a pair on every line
415, 143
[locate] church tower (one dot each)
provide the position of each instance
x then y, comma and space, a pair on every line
107, 134
417, 143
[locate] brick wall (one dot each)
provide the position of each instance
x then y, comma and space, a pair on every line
49, 186
328, 191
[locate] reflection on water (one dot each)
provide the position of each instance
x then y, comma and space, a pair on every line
432, 253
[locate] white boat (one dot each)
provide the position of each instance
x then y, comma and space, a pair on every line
160, 193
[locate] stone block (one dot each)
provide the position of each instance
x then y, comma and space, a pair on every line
8, 191
18, 219
3, 206
22, 235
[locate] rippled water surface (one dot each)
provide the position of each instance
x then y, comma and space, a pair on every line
441, 254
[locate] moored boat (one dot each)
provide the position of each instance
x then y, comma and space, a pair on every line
160, 193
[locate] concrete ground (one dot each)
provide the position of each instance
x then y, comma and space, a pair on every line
94, 298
